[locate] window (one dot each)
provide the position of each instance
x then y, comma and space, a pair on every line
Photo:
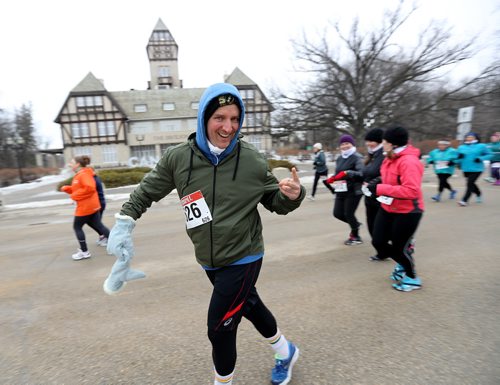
168, 106
109, 154
89, 101
79, 130
163, 71
141, 127
192, 124
247, 94
140, 107
106, 128
161, 36
146, 152
195, 105
255, 140
79, 151
170, 125
250, 118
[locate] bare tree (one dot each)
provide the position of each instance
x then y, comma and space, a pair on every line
370, 80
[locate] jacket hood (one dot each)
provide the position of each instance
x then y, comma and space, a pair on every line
409, 150
201, 131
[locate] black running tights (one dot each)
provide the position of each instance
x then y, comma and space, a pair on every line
471, 185
392, 235
94, 221
443, 182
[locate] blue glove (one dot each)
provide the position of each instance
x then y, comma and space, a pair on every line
120, 244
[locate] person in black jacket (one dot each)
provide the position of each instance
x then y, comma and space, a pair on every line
320, 167
347, 185
371, 177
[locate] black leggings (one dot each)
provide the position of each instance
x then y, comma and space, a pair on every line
234, 296
443, 182
317, 175
345, 209
372, 206
471, 185
399, 230
94, 221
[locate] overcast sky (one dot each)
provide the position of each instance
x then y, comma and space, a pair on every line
49, 46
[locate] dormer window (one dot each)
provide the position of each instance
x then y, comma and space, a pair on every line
140, 108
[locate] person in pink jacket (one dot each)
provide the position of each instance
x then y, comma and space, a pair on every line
402, 206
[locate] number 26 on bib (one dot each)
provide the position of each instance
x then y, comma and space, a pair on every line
195, 209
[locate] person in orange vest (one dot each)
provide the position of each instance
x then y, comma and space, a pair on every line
84, 192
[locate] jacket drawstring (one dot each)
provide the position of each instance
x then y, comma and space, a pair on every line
237, 161
190, 167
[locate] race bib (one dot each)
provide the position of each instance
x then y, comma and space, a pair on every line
340, 186
385, 200
196, 210
496, 165
441, 164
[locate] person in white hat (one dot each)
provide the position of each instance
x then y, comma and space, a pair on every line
320, 167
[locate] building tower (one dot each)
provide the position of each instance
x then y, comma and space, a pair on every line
162, 54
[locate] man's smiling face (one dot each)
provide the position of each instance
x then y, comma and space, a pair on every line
223, 125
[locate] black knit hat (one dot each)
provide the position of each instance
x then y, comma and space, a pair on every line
219, 101
374, 135
397, 136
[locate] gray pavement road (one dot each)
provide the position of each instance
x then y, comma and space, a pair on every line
58, 327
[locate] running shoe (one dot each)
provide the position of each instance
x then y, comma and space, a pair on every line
462, 203
353, 240
81, 255
102, 242
479, 199
282, 372
376, 258
436, 198
398, 273
453, 194
408, 284
310, 197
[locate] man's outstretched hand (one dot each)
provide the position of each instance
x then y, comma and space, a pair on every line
291, 186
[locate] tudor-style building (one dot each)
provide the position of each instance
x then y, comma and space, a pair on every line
135, 127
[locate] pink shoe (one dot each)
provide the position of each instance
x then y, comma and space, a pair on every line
497, 183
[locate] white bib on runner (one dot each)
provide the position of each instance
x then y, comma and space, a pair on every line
340, 186
385, 200
196, 209
441, 164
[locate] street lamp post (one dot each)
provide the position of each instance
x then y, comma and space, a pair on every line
16, 142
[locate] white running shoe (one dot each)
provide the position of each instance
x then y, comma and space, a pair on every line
310, 197
81, 255
102, 242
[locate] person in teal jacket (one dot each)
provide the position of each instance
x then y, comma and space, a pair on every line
443, 160
220, 180
471, 157
494, 147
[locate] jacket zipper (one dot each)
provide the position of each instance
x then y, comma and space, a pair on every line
211, 222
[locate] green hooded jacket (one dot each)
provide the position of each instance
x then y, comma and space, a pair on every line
232, 187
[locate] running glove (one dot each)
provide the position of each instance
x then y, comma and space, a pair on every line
120, 244
341, 175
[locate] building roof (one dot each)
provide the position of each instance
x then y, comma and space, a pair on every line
89, 84
154, 99
238, 78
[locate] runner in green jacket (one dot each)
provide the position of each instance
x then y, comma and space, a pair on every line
220, 180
